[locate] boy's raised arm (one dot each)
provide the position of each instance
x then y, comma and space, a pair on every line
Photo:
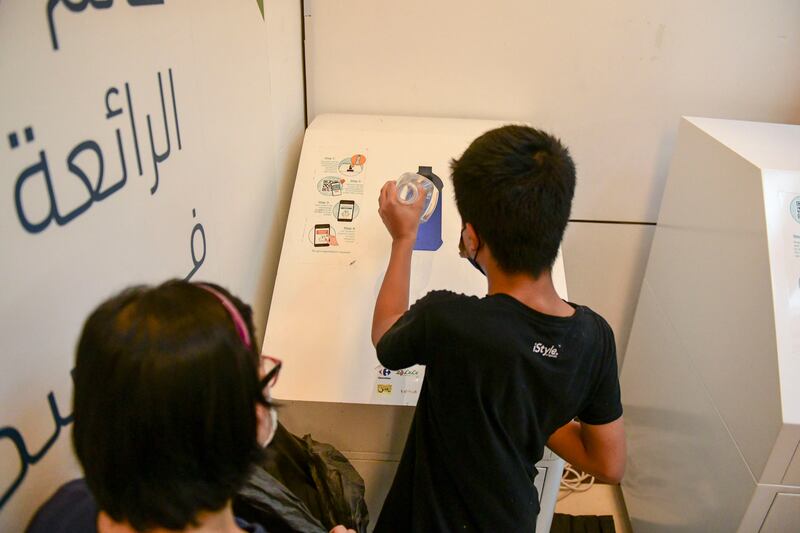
402, 221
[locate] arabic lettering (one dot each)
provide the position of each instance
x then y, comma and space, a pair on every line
195, 261
76, 6
87, 150
158, 158
174, 108
133, 124
110, 113
25, 457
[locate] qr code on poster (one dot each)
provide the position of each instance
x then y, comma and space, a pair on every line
328, 185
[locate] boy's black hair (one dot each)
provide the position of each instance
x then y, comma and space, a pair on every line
165, 404
515, 186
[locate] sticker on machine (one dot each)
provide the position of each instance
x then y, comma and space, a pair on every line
341, 174
790, 225
327, 240
338, 210
789, 259
397, 387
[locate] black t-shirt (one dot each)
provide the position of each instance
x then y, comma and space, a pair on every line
500, 378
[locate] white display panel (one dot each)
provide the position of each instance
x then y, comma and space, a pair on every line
331, 267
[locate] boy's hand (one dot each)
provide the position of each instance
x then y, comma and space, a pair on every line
402, 220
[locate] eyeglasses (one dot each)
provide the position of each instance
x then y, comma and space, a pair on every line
270, 376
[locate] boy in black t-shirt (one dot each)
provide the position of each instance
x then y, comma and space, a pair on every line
506, 373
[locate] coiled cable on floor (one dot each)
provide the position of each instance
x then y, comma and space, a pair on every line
573, 480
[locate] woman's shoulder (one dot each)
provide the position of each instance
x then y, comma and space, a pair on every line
70, 509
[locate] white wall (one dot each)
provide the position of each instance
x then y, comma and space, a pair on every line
286, 98
237, 81
611, 79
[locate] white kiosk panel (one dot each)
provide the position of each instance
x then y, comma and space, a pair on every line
336, 249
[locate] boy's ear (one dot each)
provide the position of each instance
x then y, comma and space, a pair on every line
471, 239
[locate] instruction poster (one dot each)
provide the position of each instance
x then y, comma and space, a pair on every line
332, 220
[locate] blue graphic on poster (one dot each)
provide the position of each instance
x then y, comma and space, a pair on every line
429, 236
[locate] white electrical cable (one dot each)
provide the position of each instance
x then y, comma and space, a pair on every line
573, 480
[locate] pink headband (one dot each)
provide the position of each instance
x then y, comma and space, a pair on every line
238, 321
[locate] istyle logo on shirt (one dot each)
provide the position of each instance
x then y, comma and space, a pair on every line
547, 351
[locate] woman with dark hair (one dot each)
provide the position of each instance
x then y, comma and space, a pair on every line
171, 408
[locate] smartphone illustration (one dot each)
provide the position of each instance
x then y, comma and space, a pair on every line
322, 235
346, 209
336, 188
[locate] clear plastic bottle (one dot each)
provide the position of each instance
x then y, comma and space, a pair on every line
407, 192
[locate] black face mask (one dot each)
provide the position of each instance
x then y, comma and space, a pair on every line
462, 251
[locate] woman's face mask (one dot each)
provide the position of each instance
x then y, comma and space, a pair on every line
272, 420
267, 425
